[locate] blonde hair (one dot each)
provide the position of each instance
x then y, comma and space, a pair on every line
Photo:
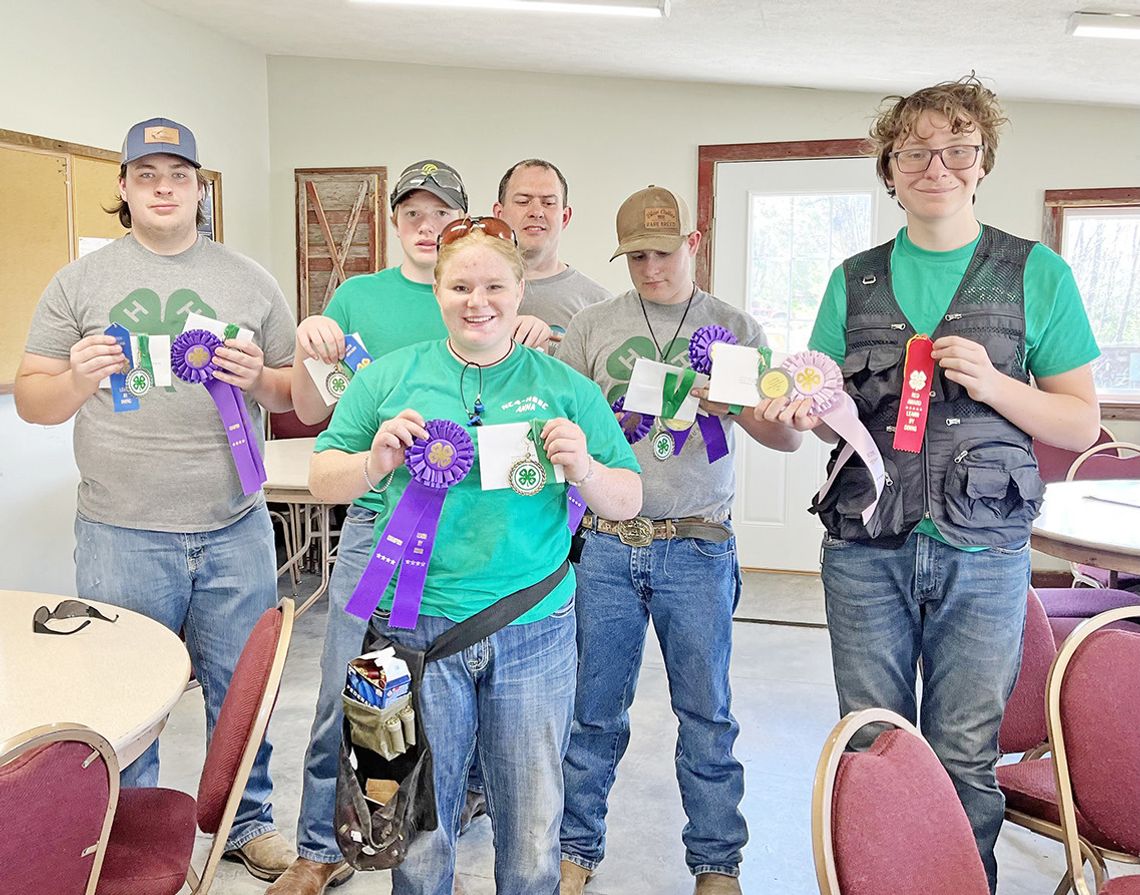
966, 104
508, 250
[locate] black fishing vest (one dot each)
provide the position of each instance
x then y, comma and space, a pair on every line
976, 475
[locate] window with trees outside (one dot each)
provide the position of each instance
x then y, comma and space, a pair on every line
1098, 233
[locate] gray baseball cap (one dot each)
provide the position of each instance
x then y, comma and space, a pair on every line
160, 135
433, 176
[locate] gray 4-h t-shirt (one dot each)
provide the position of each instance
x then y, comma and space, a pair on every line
166, 466
606, 339
554, 300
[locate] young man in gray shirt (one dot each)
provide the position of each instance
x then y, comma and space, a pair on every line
163, 524
676, 564
534, 200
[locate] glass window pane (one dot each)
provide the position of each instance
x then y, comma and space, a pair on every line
1103, 247
795, 241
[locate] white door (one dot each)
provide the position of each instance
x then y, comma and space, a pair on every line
781, 228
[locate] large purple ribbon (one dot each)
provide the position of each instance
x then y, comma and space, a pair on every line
436, 463
635, 426
700, 358
575, 508
192, 360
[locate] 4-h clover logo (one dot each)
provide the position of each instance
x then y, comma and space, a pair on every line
527, 477
809, 379
917, 380
620, 363
441, 454
337, 384
138, 382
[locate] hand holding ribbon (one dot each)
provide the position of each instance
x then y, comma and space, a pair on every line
93, 358
394, 437
321, 337
968, 364
192, 360
436, 463
239, 363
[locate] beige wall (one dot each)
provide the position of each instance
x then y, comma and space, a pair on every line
612, 136
83, 72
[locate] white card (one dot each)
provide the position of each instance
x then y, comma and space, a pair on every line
217, 327
159, 359
500, 447
319, 372
735, 375
646, 383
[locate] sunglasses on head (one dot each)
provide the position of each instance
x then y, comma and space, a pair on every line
439, 177
456, 230
65, 611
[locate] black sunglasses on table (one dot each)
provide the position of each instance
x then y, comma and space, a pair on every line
67, 610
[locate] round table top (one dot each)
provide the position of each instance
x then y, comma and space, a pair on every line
119, 679
287, 468
1095, 522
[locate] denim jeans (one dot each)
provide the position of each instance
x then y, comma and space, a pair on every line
214, 586
344, 635
689, 588
509, 699
962, 614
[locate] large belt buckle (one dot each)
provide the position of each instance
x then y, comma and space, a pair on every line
635, 532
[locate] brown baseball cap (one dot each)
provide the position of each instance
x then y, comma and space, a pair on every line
653, 219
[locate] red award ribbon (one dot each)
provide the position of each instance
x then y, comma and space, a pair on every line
918, 374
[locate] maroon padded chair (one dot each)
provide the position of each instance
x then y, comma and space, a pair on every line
288, 425
888, 819
1069, 606
152, 839
1094, 727
59, 785
1053, 462
1023, 727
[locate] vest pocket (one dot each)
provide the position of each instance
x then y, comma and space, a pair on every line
871, 377
992, 485
841, 510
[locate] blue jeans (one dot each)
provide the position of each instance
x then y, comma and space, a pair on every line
214, 586
344, 635
689, 588
509, 699
963, 615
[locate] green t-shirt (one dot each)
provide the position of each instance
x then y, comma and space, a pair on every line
388, 310
1058, 337
489, 543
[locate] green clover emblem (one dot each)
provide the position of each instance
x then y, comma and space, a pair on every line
527, 477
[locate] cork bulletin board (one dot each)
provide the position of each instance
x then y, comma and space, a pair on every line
54, 196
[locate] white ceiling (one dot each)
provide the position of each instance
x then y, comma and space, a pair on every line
1018, 46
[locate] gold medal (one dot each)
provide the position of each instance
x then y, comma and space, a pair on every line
775, 384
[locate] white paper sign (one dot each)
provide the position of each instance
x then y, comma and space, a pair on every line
735, 374
217, 327
159, 359
646, 383
500, 447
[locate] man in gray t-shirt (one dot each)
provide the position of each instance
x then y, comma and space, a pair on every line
675, 565
533, 199
163, 526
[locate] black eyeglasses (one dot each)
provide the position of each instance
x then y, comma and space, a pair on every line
66, 611
954, 158
464, 226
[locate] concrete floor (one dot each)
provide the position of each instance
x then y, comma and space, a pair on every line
783, 698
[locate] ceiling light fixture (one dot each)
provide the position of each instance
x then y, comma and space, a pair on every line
1105, 24
642, 8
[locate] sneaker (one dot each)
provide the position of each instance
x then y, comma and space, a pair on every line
266, 857
475, 805
306, 877
717, 884
573, 878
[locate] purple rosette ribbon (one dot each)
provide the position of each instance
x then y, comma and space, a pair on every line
635, 426
700, 359
192, 360
436, 463
701, 343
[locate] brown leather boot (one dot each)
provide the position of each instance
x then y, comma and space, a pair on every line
717, 884
573, 878
305, 877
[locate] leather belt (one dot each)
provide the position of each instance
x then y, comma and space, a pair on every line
641, 532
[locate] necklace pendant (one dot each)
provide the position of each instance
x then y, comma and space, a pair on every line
139, 382
527, 477
663, 445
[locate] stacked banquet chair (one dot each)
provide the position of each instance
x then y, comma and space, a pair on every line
888, 819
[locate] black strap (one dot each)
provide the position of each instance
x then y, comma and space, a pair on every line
498, 615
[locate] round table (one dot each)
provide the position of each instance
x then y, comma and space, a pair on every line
1081, 528
119, 679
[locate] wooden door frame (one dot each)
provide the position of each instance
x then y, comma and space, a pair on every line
709, 156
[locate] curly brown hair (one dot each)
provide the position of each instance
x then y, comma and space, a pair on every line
966, 103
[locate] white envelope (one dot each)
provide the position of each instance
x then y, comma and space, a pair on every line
500, 447
735, 374
217, 327
645, 385
159, 359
